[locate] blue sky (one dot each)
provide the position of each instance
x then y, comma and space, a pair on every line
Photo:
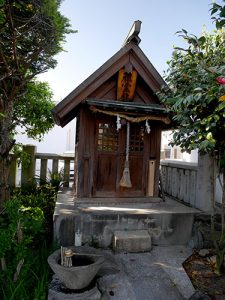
102, 27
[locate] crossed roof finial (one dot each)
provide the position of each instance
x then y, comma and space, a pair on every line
133, 34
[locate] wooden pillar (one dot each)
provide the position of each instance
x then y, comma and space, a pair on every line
151, 177
28, 167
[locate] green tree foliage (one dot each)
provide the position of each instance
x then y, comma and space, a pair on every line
32, 113
32, 32
218, 15
195, 97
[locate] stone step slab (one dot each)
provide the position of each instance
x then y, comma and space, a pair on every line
132, 241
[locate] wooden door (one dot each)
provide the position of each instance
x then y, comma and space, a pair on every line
110, 158
137, 162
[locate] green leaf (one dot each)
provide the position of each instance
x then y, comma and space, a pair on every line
198, 97
221, 106
222, 12
202, 39
198, 89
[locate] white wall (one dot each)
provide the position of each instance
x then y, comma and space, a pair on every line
166, 138
58, 140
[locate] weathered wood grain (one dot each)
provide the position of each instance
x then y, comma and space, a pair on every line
179, 179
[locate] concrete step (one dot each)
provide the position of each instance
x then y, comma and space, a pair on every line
115, 201
132, 241
168, 223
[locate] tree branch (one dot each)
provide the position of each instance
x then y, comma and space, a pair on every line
14, 39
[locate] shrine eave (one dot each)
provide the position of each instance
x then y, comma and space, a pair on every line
129, 107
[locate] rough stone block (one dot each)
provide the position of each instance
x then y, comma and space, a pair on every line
55, 292
132, 241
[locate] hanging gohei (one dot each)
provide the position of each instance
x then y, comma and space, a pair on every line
118, 122
147, 126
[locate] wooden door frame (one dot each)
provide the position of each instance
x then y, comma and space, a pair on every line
121, 192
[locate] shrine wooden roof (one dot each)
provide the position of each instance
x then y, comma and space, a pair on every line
127, 106
131, 53
155, 112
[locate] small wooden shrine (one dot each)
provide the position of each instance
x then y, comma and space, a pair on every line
119, 124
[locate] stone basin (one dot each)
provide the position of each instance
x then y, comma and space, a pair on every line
83, 271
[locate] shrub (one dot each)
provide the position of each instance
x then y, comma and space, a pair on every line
25, 232
43, 197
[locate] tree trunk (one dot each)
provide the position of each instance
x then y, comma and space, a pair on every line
6, 144
223, 207
4, 179
221, 244
212, 211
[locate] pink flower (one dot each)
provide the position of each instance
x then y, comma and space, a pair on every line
220, 80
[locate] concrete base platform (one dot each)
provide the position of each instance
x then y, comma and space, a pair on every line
169, 223
97, 201
132, 241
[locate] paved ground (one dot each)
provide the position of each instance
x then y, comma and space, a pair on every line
156, 275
